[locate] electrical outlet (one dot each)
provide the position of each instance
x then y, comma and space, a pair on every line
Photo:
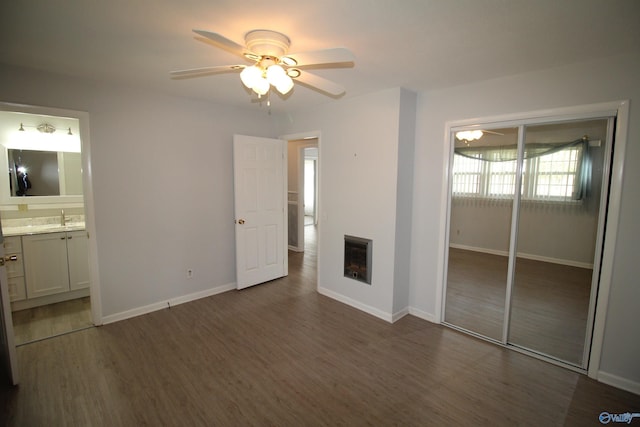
189, 273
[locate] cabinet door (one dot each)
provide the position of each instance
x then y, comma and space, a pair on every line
45, 264
16, 289
12, 245
14, 265
78, 254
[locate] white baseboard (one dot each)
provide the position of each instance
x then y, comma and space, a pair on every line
399, 314
138, 311
619, 382
422, 315
387, 317
533, 257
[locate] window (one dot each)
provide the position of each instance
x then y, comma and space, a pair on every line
467, 173
556, 175
548, 174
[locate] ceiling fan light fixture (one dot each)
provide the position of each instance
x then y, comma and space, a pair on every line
285, 85
288, 61
250, 76
469, 135
272, 66
293, 73
261, 86
252, 56
275, 75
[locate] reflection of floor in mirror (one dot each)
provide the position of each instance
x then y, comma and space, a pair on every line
550, 302
38, 323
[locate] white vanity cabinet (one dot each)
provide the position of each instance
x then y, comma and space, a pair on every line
78, 259
55, 262
15, 268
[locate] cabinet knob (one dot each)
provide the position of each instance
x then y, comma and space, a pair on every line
11, 258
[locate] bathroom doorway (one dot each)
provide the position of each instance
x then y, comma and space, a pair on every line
46, 221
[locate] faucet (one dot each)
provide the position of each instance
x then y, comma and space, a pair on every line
62, 218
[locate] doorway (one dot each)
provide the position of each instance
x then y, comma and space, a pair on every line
302, 189
304, 150
310, 186
46, 235
523, 267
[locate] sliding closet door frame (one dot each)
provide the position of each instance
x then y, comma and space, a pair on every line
600, 235
610, 233
513, 238
616, 110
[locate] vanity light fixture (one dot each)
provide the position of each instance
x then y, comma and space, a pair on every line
44, 128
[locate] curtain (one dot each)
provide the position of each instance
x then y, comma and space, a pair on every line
533, 150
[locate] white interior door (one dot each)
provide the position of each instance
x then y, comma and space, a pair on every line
7, 344
260, 214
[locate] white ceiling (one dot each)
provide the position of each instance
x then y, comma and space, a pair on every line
416, 44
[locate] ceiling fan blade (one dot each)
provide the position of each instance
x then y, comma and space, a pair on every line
205, 71
335, 55
320, 83
222, 42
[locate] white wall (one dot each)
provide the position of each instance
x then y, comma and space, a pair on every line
162, 181
404, 202
587, 83
359, 146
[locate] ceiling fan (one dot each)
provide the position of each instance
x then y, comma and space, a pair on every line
272, 65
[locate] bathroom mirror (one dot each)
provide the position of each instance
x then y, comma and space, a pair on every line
43, 159
44, 173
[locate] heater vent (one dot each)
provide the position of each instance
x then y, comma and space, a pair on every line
357, 258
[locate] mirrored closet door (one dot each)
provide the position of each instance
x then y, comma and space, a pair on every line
483, 186
523, 265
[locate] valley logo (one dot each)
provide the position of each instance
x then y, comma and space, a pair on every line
627, 417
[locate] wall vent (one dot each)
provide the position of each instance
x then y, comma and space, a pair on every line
357, 258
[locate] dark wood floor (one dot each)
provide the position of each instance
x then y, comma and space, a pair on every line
280, 354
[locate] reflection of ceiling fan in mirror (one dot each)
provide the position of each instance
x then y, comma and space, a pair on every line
272, 65
471, 135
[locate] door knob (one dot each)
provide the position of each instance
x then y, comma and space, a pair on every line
241, 221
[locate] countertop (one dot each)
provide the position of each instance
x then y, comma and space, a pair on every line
40, 229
